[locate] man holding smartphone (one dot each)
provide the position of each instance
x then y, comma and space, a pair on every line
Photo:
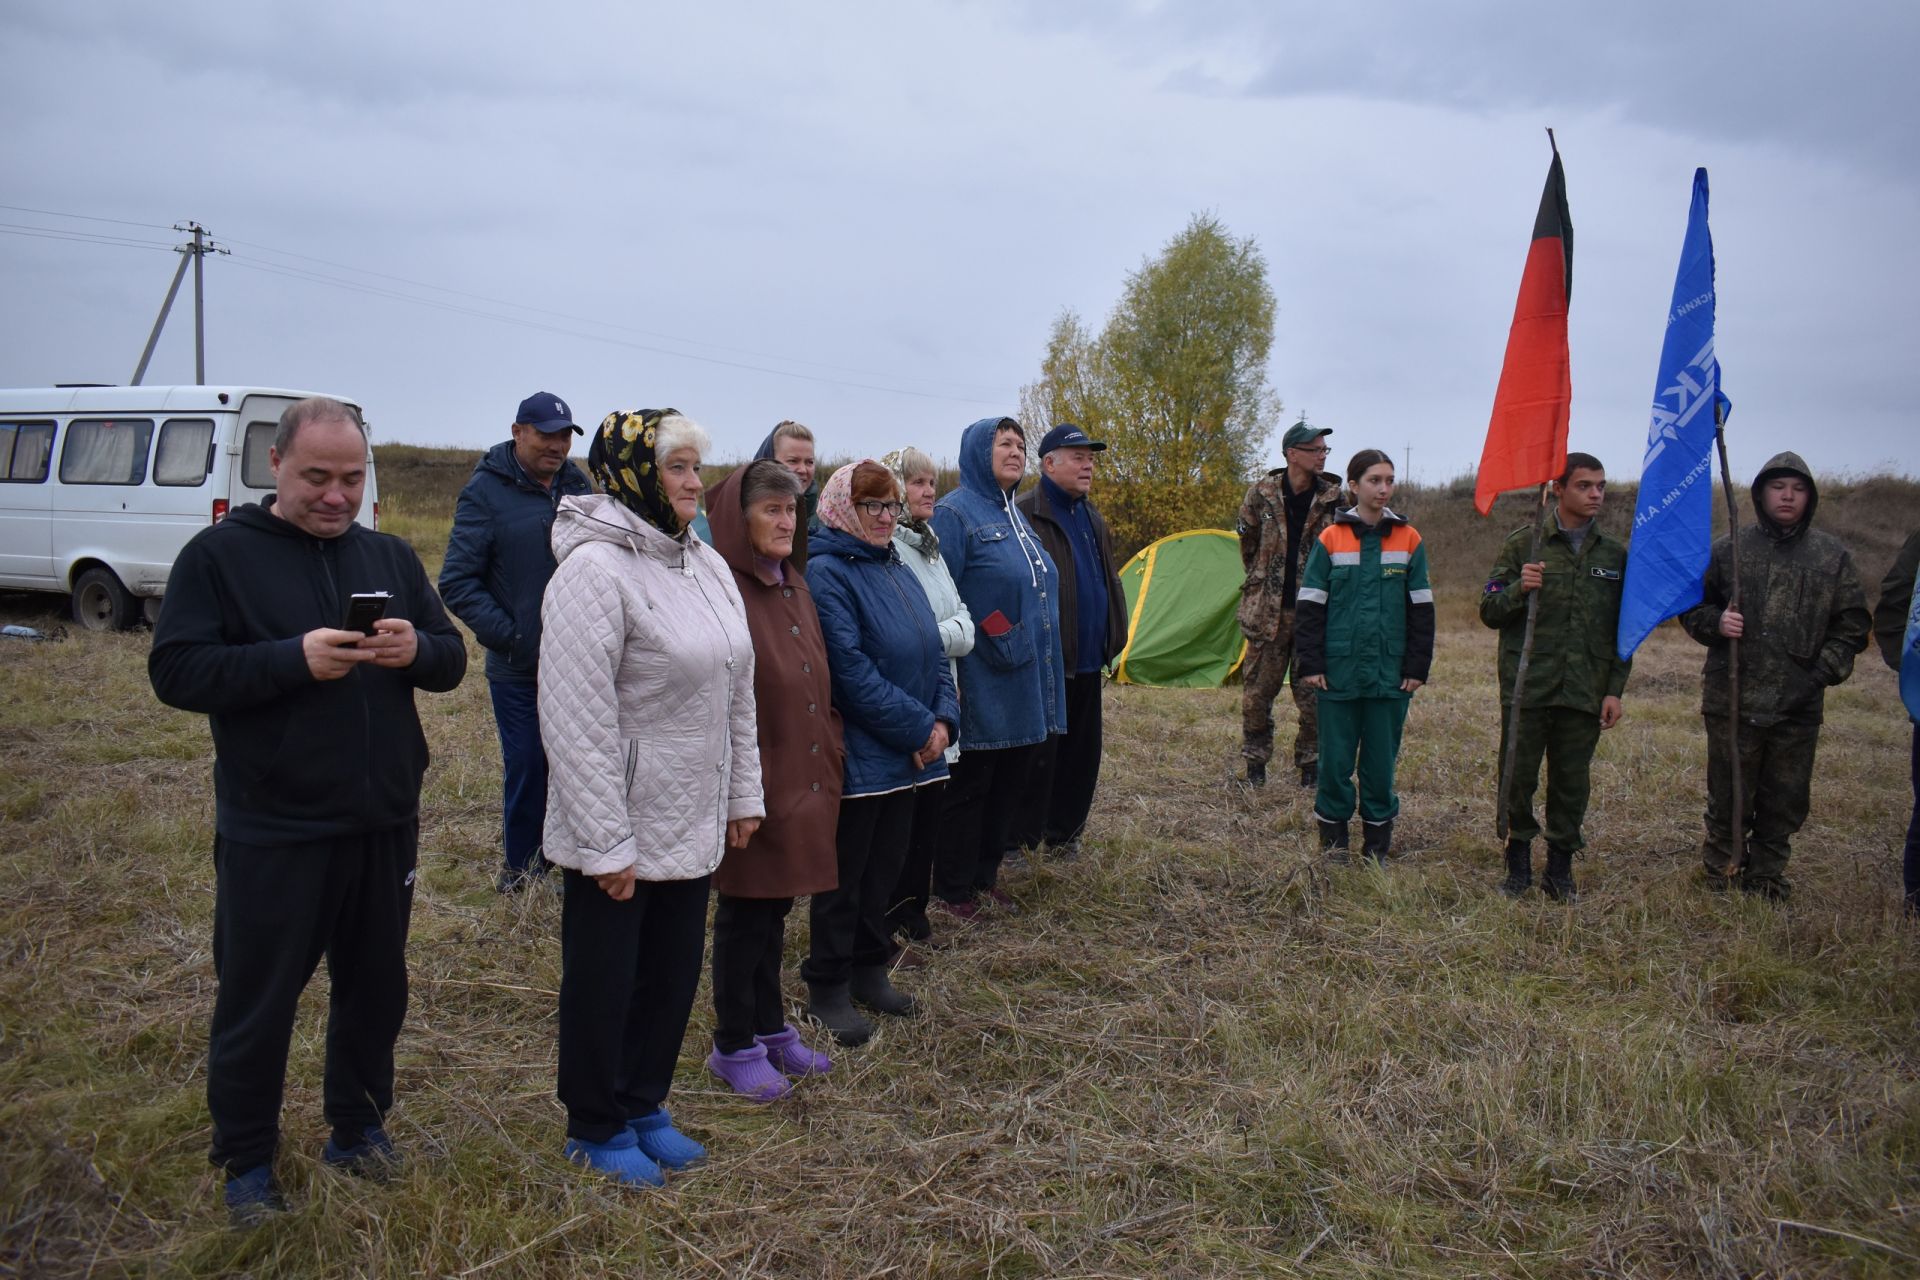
498, 562
318, 760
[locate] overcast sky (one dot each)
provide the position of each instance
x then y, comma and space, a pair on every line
865, 216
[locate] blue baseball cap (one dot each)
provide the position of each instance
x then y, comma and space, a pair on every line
1068, 436
544, 411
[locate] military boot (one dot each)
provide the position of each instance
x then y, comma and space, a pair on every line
1557, 883
1333, 839
1519, 868
1310, 774
1376, 841
1256, 773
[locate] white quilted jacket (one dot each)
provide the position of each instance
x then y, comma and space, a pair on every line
646, 698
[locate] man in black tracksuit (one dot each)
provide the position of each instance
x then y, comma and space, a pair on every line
317, 768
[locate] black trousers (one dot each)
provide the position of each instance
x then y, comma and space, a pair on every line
277, 910
627, 976
748, 937
1065, 773
849, 924
982, 799
907, 908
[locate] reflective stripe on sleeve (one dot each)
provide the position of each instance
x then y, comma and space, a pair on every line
1422, 596
1314, 595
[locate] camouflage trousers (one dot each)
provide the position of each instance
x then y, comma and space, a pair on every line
1565, 739
1264, 671
1776, 781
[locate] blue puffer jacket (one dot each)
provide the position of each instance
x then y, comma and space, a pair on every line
500, 557
1013, 685
890, 678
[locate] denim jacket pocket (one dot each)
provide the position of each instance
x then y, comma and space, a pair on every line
1008, 651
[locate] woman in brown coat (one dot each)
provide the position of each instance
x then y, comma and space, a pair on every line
753, 516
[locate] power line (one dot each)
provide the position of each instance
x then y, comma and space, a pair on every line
78, 237
298, 273
295, 273
87, 217
606, 324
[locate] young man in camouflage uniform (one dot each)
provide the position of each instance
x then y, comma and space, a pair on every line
1284, 513
1802, 617
1574, 678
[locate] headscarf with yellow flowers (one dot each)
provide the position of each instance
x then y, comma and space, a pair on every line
621, 460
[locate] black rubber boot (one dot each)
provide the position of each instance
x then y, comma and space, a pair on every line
1310, 775
1376, 840
1333, 839
1557, 883
1519, 868
832, 1007
873, 988
1256, 773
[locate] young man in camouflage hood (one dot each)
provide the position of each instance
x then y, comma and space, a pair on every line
1801, 618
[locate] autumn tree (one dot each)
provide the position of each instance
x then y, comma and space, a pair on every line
1176, 384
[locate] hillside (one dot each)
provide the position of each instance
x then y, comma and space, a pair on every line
1873, 514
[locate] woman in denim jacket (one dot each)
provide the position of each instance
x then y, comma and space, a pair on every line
1013, 683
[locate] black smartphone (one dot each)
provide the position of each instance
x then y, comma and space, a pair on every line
364, 608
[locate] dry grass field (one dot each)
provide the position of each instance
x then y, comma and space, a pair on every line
1199, 1052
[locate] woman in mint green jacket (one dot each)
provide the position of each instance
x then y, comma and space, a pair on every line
1363, 637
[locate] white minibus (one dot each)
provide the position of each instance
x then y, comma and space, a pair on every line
100, 487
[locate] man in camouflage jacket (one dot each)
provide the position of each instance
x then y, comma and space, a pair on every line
1574, 677
1283, 515
1800, 619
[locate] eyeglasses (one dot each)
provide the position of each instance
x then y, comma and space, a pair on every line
875, 508
1318, 449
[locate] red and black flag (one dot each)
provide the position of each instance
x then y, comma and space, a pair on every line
1527, 436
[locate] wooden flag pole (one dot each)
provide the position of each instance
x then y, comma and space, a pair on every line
1520, 676
1738, 820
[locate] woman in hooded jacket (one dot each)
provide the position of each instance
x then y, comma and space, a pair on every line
919, 549
896, 703
1013, 682
755, 518
647, 714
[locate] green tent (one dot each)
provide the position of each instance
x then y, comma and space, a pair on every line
1182, 594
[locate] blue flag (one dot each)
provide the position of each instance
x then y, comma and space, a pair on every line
1673, 524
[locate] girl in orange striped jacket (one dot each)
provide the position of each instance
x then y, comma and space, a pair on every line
1364, 639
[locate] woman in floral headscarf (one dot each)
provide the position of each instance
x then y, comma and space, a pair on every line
897, 709
647, 715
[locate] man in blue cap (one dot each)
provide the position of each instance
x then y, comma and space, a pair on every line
496, 571
1093, 627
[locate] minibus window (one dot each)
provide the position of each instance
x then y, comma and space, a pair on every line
106, 451
256, 466
25, 448
182, 455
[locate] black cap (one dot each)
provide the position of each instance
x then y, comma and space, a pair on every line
1068, 436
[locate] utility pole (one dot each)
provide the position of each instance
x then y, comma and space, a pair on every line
201, 246
1407, 475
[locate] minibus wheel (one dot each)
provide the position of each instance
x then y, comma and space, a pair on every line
100, 603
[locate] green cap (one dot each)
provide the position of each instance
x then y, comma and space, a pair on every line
1300, 435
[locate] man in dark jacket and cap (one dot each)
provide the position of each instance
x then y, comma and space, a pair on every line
1283, 516
499, 559
1800, 619
1093, 630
